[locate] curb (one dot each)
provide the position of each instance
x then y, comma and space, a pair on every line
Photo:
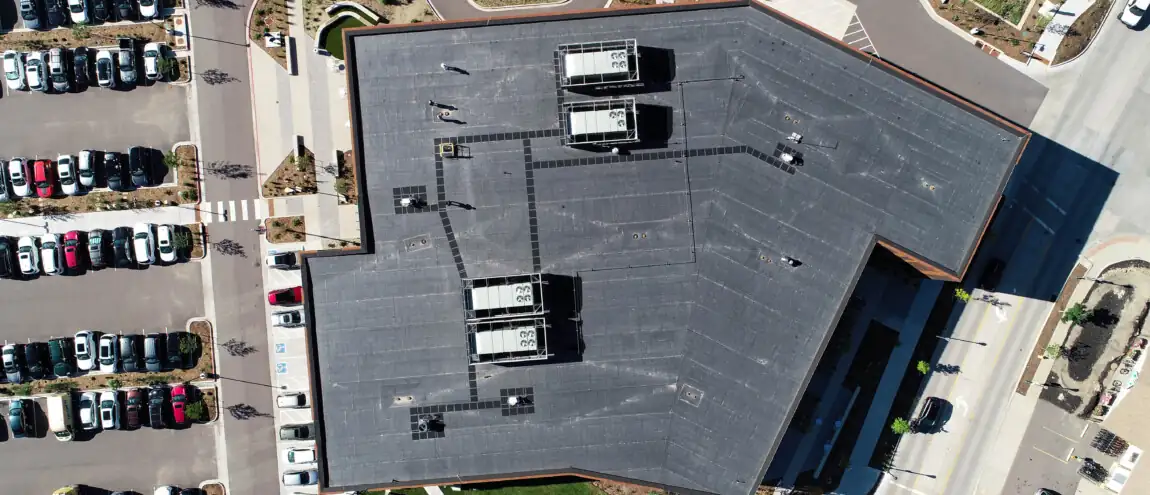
517, 7
199, 171
188, 328
1091, 42
203, 236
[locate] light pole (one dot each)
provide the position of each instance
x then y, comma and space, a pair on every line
948, 339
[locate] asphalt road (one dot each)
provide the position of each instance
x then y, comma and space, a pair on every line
903, 32
113, 460
226, 134
109, 300
460, 9
52, 124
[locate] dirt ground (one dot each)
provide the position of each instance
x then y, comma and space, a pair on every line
345, 182
1094, 348
1082, 31
284, 230
613, 488
1001, 36
270, 16
197, 233
410, 12
297, 173
91, 36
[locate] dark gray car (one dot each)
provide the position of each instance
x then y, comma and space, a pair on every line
153, 345
297, 432
129, 355
97, 246
32, 14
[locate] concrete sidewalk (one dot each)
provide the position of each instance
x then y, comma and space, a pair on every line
175, 215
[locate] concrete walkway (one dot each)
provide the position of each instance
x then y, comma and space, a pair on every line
175, 215
1061, 15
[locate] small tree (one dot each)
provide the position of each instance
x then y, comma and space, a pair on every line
115, 383
171, 160
196, 411
166, 67
900, 426
182, 240
1052, 351
922, 367
1077, 314
961, 294
189, 344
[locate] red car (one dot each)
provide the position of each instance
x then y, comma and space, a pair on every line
42, 178
135, 399
179, 398
73, 250
285, 297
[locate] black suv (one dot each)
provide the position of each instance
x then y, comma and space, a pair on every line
122, 247
7, 258
80, 67
34, 360
60, 350
57, 12
156, 406
114, 169
930, 416
175, 357
140, 166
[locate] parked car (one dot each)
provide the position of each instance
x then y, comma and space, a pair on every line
285, 297
109, 354
110, 410
97, 246
300, 455
301, 478
85, 342
20, 172
34, 360
149, 9
66, 172
165, 490
153, 52
297, 432
8, 264
80, 67
156, 406
122, 247
58, 69
143, 245
22, 418
105, 69
78, 11
11, 357
6, 193
930, 416
86, 168
56, 12
89, 419
292, 400
28, 255
135, 400
32, 14
281, 261
114, 171
73, 250
125, 9
139, 166
35, 71
288, 319
126, 60
60, 351
153, 357
14, 70
165, 243
1133, 12
179, 400
129, 357
50, 254
175, 357
42, 179
101, 10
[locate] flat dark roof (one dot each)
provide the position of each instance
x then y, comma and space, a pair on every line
693, 341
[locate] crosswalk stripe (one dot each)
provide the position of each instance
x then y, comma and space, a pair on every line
244, 210
231, 211
220, 211
259, 205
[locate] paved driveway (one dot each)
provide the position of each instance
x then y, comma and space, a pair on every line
903, 32
112, 460
462, 9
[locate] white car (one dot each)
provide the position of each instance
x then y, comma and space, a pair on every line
66, 171
105, 69
303, 455
289, 319
14, 69
152, 54
109, 356
35, 69
89, 403
109, 410
142, 244
301, 478
85, 347
78, 11
148, 9
292, 400
164, 490
164, 242
50, 254
29, 255
1133, 11
18, 171
86, 168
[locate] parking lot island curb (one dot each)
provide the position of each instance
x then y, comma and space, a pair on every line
198, 179
212, 332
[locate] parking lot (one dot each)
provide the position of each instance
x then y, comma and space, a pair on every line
47, 125
112, 460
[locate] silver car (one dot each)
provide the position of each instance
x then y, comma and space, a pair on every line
58, 69
14, 70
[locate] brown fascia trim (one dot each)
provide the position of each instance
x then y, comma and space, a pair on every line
498, 478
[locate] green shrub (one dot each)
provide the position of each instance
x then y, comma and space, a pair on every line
196, 411
22, 389
60, 387
900, 426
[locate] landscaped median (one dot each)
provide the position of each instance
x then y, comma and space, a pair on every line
1014, 27
269, 18
286, 230
295, 175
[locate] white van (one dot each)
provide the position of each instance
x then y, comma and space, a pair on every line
60, 417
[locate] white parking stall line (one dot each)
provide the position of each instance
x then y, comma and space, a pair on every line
244, 210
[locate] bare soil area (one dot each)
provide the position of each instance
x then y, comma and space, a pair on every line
997, 36
1083, 30
83, 36
195, 233
284, 230
294, 176
345, 182
270, 16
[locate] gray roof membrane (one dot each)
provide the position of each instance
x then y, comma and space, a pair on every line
696, 341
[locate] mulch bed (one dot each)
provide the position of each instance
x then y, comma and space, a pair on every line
270, 16
283, 230
1082, 31
196, 250
345, 182
187, 173
101, 35
295, 173
998, 34
1048, 329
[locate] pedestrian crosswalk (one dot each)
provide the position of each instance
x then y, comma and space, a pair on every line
233, 211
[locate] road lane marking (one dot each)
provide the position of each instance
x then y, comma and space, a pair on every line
909, 489
1052, 456
243, 210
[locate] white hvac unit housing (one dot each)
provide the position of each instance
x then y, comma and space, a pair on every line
599, 122
597, 62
